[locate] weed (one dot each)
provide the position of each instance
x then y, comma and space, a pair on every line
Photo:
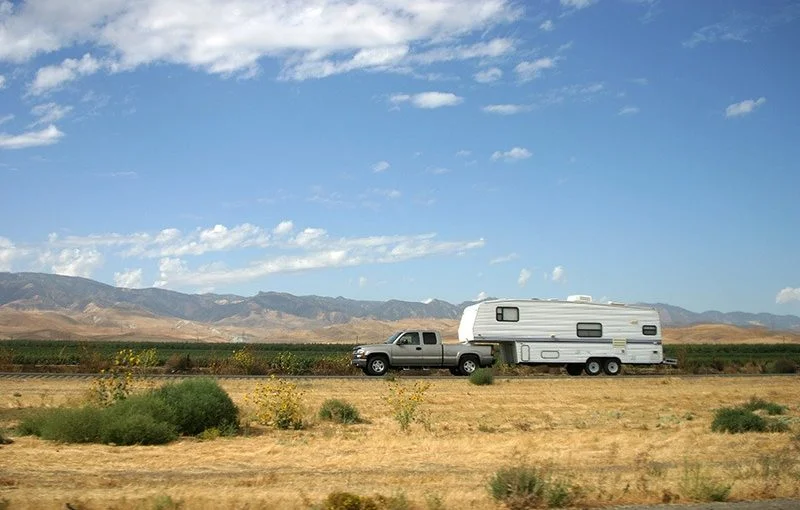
198, 404
757, 404
482, 377
117, 382
278, 404
406, 403
164, 502
743, 418
339, 411
698, 486
523, 486
178, 363
348, 501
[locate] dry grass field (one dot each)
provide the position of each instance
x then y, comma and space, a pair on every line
622, 440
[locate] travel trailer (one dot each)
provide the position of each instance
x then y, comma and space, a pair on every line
579, 334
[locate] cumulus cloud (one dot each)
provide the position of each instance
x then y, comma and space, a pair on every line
527, 71
129, 279
558, 275
311, 39
628, 110
283, 228
506, 109
524, 276
488, 75
547, 26
428, 100
362, 281
380, 166
787, 295
48, 113
74, 262
8, 252
53, 77
46, 136
509, 156
745, 107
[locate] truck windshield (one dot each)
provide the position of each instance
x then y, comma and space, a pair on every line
393, 337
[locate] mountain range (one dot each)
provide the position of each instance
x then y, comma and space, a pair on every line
50, 303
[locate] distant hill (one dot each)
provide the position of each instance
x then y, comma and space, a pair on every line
37, 305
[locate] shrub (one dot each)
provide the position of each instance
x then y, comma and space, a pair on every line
278, 404
198, 404
179, 363
339, 411
133, 429
406, 403
756, 404
697, 486
348, 501
82, 425
521, 487
782, 366
482, 377
737, 420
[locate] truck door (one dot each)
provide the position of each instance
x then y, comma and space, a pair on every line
431, 349
407, 351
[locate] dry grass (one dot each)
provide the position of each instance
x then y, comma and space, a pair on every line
623, 440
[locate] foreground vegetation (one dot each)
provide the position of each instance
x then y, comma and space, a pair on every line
334, 359
399, 444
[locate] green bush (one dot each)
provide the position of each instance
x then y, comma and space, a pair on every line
137, 429
339, 411
737, 420
82, 425
756, 404
781, 366
482, 377
521, 487
198, 404
348, 501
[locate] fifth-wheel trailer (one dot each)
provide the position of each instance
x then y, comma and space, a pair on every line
579, 334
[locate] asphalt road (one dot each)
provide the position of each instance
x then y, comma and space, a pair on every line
775, 504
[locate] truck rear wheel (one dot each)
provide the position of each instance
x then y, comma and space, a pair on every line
574, 369
593, 367
467, 365
612, 366
377, 365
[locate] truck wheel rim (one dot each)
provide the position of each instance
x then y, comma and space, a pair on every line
377, 365
469, 366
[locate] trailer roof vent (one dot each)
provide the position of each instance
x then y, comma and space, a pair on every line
580, 298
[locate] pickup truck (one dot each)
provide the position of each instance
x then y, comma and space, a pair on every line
421, 349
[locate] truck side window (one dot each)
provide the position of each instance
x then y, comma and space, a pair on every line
429, 338
507, 314
590, 329
649, 330
409, 339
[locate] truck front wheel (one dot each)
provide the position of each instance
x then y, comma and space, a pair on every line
467, 365
377, 365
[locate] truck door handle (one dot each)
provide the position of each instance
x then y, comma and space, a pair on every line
419, 348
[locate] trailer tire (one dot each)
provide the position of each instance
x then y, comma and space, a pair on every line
612, 366
467, 364
574, 369
593, 367
377, 365
455, 371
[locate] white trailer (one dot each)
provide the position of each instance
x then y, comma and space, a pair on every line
581, 335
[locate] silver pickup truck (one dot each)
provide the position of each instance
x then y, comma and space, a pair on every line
421, 349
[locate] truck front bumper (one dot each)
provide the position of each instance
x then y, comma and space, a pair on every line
359, 362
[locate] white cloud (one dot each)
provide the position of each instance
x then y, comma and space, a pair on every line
6, 118
283, 228
481, 296
527, 71
53, 77
504, 258
46, 136
577, 4
311, 39
2, 81
8, 252
745, 107
524, 276
628, 110
559, 275
362, 281
74, 262
788, 294
49, 113
489, 75
428, 100
515, 154
506, 109
380, 166
129, 279
547, 26
463, 153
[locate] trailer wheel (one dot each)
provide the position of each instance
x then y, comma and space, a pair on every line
593, 367
377, 365
455, 371
612, 366
467, 365
574, 369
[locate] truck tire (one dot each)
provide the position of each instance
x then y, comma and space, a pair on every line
593, 366
455, 371
574, 369
467, 365
377, 365
612, 366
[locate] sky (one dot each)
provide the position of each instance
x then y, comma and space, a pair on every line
631, 150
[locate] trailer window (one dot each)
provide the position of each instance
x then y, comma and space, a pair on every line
429, 338
649, 330
590, 329
507, 314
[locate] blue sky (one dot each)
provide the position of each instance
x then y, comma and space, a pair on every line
634, 150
